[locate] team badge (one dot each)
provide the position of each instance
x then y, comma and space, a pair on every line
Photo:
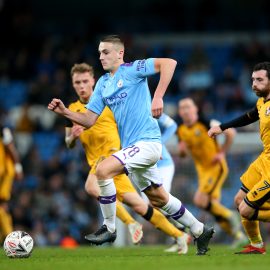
197, 132
267, 112
120, 83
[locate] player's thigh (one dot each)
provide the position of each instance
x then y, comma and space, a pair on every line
123, 185
251, 176
6, 187
211, 180
134, 200
259, 194
109, 168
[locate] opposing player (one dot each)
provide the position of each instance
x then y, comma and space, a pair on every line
125, 91
252, 199
10, 169
102, 140
210, 164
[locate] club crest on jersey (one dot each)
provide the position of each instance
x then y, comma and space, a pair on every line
120, 83
267, 112
197, 132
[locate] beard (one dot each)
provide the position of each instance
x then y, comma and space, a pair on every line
261, 93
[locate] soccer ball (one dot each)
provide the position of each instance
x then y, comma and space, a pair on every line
18, 244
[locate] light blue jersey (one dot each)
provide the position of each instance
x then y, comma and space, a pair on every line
168, 127
127, 95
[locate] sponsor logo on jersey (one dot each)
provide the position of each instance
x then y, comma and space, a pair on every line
267, 112
140, 65
117, 99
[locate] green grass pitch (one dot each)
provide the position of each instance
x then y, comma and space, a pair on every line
138, 258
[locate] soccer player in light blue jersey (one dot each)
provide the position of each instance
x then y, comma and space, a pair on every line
125, 91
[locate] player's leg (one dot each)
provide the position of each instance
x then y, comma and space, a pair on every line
157, 219
174, 207
138, 160
105, 171
92, 188
251, 228
208, 198
252, 195
6, 225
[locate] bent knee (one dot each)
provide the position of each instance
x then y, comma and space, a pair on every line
203, 204
91, 190
237, 200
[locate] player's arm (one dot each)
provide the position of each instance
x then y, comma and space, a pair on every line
241, 121
72, 134
86, 119
169, 127
229, 136
11, 149
166, 67
183, 150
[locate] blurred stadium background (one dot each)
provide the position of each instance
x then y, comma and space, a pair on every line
216, 43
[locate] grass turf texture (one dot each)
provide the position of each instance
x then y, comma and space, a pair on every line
138, 258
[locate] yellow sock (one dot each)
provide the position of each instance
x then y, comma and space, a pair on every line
162, 223
5, 222
123, 214
219, 210
226, 226
252, 230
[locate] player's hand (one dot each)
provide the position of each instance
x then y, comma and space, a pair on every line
157, 107
76, 131
214, 131
57, 106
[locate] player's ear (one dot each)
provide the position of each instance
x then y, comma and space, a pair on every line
121, 54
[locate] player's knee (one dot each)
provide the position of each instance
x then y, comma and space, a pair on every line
91, 190
101, 173
237, 201
200, 203
246, 212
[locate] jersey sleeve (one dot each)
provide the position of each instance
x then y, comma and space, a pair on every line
96, 103
214, 123
168, 126
141, 68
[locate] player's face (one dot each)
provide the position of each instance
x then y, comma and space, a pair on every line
111, 56
187, 111
83, 84
260, 83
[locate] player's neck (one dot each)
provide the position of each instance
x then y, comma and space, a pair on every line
114, 69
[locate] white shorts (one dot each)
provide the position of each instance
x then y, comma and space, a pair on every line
140, 163
167, 173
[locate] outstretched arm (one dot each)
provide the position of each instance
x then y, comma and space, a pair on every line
166, 67
241, 121
86, 119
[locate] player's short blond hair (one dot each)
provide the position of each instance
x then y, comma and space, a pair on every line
82, 68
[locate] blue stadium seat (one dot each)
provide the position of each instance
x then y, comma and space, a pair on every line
47, 144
